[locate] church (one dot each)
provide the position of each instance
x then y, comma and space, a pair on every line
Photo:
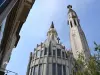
52, 58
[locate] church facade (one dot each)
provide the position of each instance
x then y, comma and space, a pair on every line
52, 58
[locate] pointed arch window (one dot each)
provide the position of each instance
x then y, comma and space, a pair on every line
50, 48
45, 52
71, 24
75, 22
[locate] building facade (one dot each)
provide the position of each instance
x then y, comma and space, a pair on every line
52, 58
5, 8
10, 28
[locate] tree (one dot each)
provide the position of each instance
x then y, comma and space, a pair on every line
97, 56
93, 65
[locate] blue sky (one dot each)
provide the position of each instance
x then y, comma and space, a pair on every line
39, 20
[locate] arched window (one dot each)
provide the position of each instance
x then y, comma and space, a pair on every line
59, 52
71, 24
75, 22
45, 52
50, 48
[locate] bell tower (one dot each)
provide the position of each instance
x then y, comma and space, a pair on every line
77, 37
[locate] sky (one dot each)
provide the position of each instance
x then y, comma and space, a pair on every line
43, 12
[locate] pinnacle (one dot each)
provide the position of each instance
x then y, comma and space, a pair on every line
52, 25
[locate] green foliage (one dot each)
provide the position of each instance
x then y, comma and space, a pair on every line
93, 65
97, 48
97, 56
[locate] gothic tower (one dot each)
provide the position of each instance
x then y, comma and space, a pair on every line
77, 37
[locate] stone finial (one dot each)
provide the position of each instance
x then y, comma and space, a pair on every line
69, 6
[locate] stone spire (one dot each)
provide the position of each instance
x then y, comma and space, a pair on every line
52, 25
52, 33
77, 37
